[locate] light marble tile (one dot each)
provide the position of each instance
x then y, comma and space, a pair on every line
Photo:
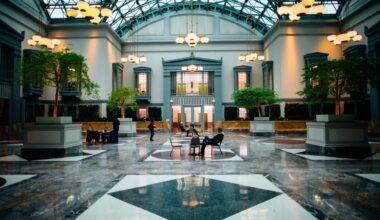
12, 158
371, 176
109, 207
275, 209
12, 179
313, 157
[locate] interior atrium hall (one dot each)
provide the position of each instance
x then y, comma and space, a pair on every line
189, 109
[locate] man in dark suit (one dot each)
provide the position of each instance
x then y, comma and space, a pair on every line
213, 141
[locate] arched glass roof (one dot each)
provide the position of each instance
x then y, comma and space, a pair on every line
260, 14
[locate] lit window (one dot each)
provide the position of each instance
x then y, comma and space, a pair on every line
142, 84
242, 80
242, 113
142, 113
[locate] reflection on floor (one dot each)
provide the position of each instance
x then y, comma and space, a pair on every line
195, 197
264, 181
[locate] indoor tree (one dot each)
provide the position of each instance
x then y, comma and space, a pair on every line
250, 98
336, 79
56, 69
122, 98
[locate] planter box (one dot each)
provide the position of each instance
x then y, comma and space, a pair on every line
52, 120
261, 118
335, 118
127, 127
263, 127
343, 139
51, 140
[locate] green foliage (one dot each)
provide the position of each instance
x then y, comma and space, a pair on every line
336, 78
250, 98
56, 69
122, 98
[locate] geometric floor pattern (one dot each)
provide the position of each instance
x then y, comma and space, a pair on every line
301, 153
214, 155
86, 154
6, 180
195, 197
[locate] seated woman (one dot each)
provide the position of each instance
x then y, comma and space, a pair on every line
213, 141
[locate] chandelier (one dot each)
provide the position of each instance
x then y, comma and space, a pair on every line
251, 57
43, 41
297, 10
92, 13
345, 37
134, 59
192, 39
192, 68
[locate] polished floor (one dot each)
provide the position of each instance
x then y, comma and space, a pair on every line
254, 178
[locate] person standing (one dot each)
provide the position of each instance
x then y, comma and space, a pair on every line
151, 127
115, 126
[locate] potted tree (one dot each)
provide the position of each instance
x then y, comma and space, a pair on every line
55, 136
123, 99
336, 134
251, 98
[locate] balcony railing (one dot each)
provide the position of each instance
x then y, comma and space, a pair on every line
192, 100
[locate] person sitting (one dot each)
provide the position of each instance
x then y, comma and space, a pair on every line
192, 130
213, 141
92, 135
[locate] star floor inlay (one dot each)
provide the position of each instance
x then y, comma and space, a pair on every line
195, 197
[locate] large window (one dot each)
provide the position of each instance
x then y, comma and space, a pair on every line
242, 77
192, 83
242, 80
117, 75
312, 58
143, 81
268, 74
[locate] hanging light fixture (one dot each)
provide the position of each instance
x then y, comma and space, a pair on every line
345, 37
295, 11
134, 58
94, 14
192, 39
252, 57
43, 41
192, 68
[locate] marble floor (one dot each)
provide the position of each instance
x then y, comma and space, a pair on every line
254, 178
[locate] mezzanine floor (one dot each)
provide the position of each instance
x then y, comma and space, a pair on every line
255, 178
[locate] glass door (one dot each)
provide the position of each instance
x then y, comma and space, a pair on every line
193, 114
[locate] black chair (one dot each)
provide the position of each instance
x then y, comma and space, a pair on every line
195, 142
218, 144
92, 135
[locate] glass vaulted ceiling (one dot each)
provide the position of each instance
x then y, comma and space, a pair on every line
260, 14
